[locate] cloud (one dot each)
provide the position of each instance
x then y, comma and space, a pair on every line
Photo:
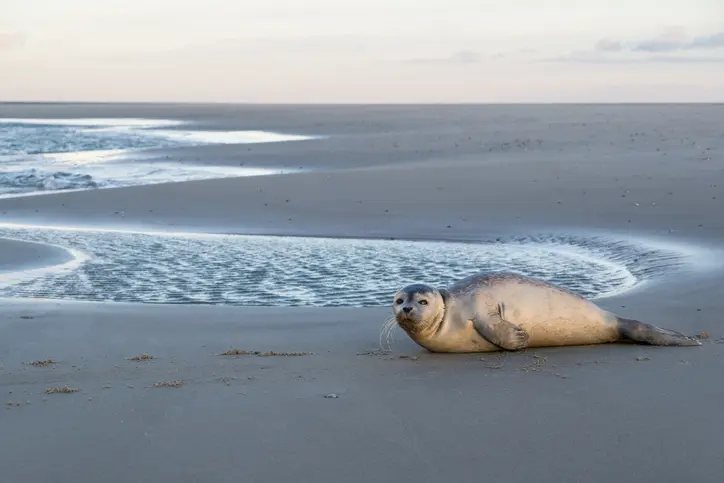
671, 39
464, 57
714, 41
459, 57
605, 45
671, 45
594, 58
9, 41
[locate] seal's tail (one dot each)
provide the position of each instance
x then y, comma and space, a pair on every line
650, 334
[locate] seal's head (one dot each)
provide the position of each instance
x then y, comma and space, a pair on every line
419, 308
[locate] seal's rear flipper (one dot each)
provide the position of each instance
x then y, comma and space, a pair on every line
650, 334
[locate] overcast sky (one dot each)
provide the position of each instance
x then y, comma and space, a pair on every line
362, 50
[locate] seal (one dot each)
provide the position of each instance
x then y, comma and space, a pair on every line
490, 312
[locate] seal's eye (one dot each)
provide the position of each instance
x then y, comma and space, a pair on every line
399, 301
423, 302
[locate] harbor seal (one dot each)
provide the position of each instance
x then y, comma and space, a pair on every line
489, 312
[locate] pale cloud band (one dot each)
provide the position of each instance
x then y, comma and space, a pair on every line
672, 45
671, 40
361, 50
10, 40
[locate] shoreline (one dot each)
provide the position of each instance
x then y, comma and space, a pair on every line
348, 412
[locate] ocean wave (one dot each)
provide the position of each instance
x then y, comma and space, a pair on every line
45, 155
42, 136
34, 179
28, 139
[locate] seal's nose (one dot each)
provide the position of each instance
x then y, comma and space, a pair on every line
407, 310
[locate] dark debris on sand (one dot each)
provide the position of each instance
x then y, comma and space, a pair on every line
61, 390
376, 352
11, 404
141, 357
239, 352
175, 384
44, 363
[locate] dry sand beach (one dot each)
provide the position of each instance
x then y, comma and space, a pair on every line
326, 404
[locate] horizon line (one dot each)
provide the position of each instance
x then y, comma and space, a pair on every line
352, 103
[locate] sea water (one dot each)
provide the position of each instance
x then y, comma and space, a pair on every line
186, 268
46, 155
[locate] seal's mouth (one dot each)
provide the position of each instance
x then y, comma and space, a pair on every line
407, 322
404, 319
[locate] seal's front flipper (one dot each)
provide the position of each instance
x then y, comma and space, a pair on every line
500, 332
650, 334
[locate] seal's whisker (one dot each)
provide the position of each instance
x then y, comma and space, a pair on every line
386, 345
385, 323
387, 328
390, 333
383, 329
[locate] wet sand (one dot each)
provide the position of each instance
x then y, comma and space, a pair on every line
614, 412
16, 255
597, 414
415, 172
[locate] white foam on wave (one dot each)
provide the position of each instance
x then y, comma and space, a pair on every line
34, 179
38, 183
229, 137
77, 158
150, 127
